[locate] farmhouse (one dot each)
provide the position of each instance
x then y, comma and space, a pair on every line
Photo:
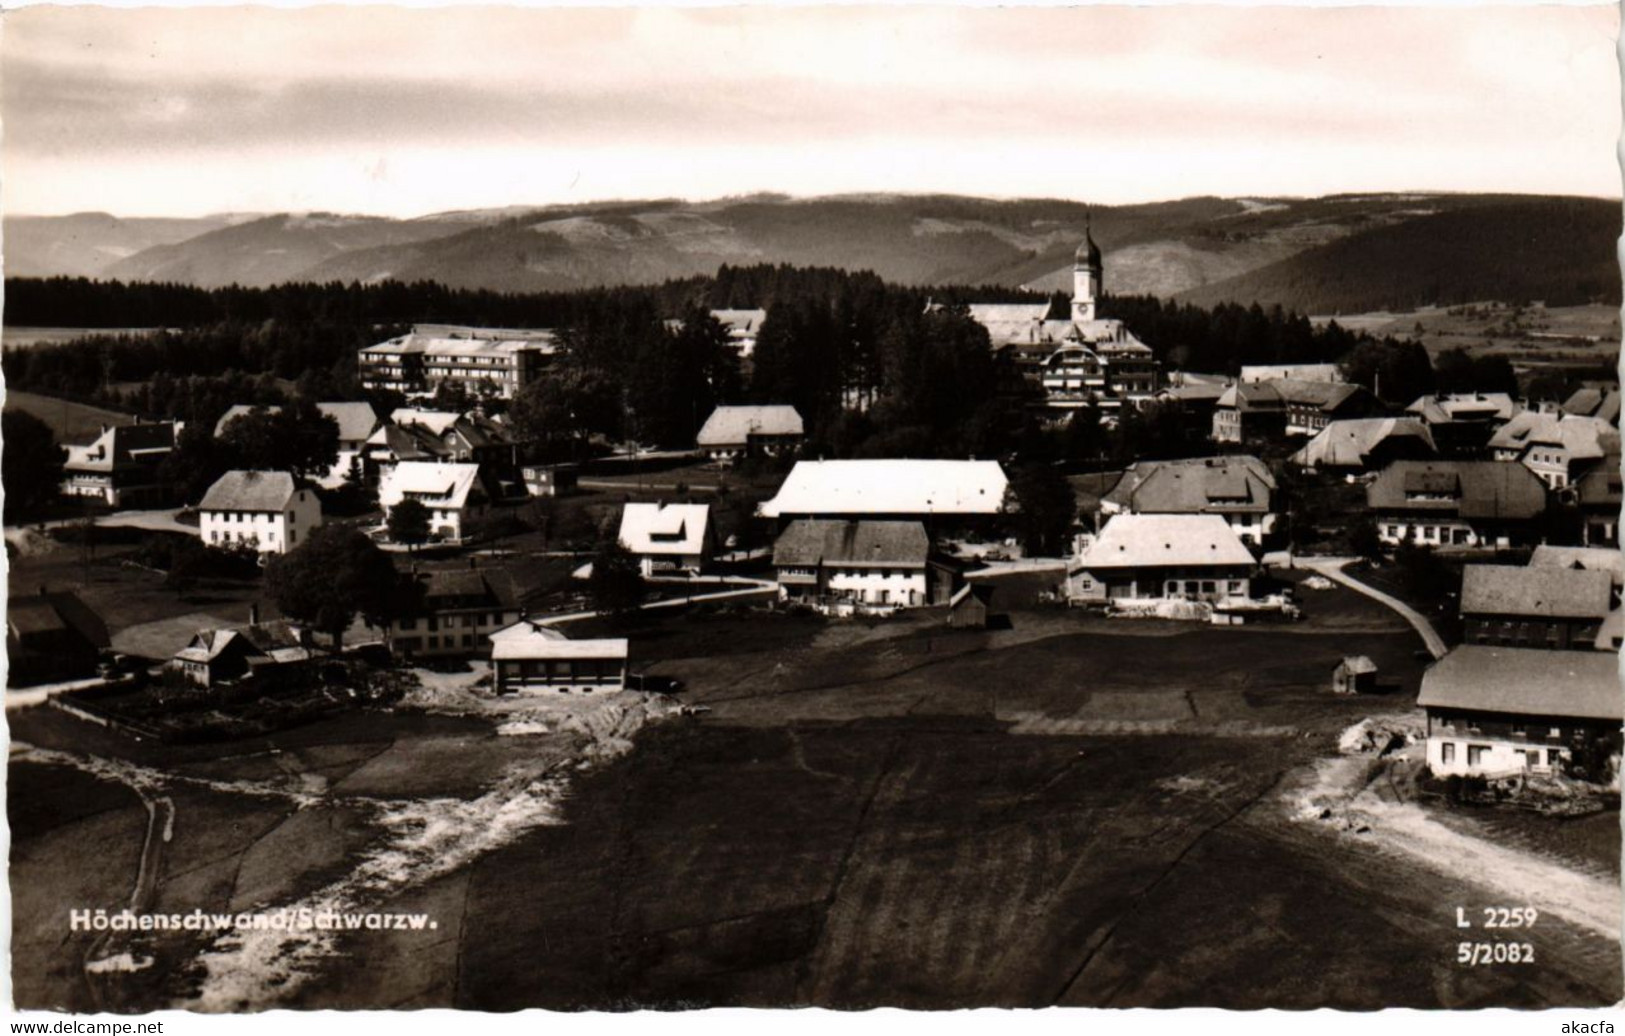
482, 361
1272, 408
1557, 448
922, 490
356, 424
530, 658
1456, 503
1366, 444
1462, 422
668, 537
232, 652
120, 468
865, 565
733, 432
51, 637
1538, 607
1501, 711
260, 509
1597, 495
1193, 557
1595, 559
1239, 489
460, 610
452, 494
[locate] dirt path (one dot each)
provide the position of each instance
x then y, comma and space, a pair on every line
1342, 793
1332, 568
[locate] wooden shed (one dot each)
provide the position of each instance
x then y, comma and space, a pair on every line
968, 608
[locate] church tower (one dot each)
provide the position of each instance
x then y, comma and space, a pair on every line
1086, 277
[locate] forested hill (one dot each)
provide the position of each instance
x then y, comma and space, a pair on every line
1560, 251
1341, 253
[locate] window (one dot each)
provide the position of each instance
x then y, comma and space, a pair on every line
1553, 757
293, 537
1520, 729
409, 624
1556, 732
1235, 586
1447, 752
1475, 754
1208, 586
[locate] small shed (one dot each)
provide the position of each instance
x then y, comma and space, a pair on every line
1356, 674
968, 607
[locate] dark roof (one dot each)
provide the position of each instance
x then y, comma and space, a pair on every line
1194, 486
1525, 682
493, 586
1503, 490
1554, 593
813, 541
55, 612
249, 491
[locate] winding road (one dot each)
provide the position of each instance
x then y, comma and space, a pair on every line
1332, 568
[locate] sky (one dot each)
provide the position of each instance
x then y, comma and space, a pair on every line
410, 111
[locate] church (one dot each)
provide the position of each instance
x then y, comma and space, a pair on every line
1079, 358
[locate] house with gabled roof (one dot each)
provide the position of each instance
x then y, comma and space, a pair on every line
1191, 557
898, 489
1240, 489
458, 612
869, 566
121, 466
733, 432
451, 493
1456, 503
1507, 711
225, 653
1600, 400
1284, 407
356, 422
1558, 448
265, 510
1557, 609
1461, 423
1365, 444
668, 537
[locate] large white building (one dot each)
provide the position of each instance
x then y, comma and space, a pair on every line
260, 509
484, 361
873, 566
921, 489
1080, 358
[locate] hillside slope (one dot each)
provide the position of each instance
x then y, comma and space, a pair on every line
1348, 252
1559, 250
85, 244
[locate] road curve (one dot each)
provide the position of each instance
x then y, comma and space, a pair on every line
1332, 568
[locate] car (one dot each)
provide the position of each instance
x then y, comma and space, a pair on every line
652, 684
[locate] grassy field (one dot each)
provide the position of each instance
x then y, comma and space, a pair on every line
1536, 336
1070, 810
70, 422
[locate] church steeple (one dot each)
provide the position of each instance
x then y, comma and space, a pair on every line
1087, 273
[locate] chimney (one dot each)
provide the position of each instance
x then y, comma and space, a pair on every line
253, 614
473, 562
42, 589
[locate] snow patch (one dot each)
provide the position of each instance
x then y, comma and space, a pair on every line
122, 962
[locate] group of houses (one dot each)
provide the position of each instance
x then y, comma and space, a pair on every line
1535, 682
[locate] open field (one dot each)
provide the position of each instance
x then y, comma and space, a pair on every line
1535, 336
70, 422
24, 337
1067, 811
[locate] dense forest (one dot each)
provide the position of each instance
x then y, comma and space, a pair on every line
875, 368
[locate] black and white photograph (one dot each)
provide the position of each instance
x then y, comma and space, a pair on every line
659, 508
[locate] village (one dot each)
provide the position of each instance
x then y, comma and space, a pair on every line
1429, 593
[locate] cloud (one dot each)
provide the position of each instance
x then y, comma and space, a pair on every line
697, 101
